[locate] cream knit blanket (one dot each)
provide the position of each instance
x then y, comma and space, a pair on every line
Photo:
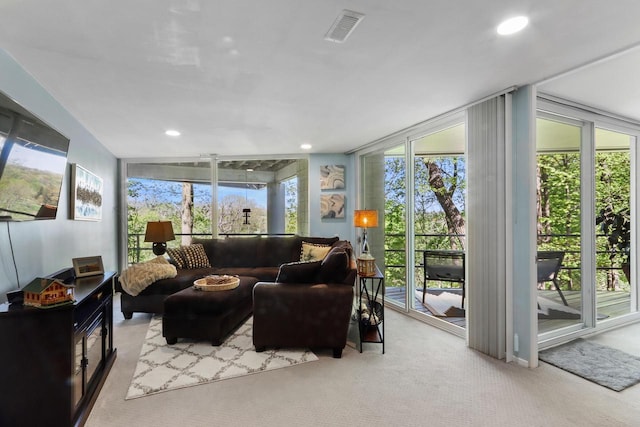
138, 276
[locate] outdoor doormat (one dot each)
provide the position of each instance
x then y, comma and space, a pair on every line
163, 367
600, 364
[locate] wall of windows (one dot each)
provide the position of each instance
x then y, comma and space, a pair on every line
586, 198
248, 197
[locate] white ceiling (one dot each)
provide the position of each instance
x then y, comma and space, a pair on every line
255, 77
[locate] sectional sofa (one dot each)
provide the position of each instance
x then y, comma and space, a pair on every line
297, 278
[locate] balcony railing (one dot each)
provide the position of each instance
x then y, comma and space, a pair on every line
570, 268
137, 247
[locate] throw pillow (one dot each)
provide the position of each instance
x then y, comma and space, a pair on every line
313, 252
177, 256
334, 267
195, 256
298, 272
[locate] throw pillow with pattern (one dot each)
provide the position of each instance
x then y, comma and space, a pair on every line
177, 256
195, 256
313, 252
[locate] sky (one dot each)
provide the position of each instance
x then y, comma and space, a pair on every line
202, 192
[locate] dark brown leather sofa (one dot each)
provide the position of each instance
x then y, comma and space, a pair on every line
309, 305
259, 257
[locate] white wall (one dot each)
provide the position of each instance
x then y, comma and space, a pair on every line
341, 227
43, 247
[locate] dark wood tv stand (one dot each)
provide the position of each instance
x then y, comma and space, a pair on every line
55, 360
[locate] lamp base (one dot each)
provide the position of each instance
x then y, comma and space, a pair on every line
159, 248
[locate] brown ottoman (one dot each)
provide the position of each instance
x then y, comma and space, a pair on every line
203, 315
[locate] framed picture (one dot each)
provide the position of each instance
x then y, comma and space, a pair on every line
88, 266
332, 177
332, 206
86, 194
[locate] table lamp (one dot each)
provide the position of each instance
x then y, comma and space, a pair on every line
159, 232
365, 218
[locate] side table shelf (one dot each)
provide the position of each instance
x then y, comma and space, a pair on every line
371, 309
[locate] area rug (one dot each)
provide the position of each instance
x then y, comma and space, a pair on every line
163, 367
600, 364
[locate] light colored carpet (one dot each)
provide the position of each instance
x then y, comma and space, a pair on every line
426, 377
163, 367
603, 365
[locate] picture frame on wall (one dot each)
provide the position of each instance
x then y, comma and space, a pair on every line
88, 266
86, 194
332, 177
332, 206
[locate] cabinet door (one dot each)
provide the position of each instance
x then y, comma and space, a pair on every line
94, 348
78, 369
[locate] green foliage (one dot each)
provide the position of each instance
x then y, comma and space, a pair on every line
24, 189
613, 189
430, 225
291, 205
153, 200
560, 179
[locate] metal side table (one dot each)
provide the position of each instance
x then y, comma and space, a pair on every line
371, 309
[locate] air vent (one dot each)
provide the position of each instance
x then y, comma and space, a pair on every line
343, 26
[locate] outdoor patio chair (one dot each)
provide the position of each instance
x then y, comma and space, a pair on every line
549, 264
444, 266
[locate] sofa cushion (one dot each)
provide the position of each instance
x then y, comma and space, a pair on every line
210, 247
298, 272
236, 252
346, 245
276, 250
261, 273
182, 280
313, 252
334, 267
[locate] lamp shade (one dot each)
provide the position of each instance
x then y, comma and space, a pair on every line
365, 218
159, 231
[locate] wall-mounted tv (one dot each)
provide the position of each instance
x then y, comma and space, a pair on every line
33, 161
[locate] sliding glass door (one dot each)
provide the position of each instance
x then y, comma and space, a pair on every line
418, 187
384, 179
586, 198
615, 293
558, 222
439, 223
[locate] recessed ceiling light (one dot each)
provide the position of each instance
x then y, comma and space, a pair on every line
306, 146
512, 25
172, 132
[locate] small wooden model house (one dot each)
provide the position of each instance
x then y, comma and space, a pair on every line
47, 293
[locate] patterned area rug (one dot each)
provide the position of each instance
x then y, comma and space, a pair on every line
163, 367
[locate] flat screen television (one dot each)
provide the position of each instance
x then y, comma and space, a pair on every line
33, 161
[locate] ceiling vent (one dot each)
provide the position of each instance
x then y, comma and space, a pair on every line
343, 26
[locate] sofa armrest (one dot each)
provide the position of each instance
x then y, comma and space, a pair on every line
301, 314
